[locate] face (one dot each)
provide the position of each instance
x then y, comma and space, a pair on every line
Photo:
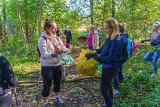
92, 29
108, 30
155, 29
52, 29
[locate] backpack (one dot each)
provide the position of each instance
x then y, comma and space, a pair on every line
130, 44
38, 51
124, 54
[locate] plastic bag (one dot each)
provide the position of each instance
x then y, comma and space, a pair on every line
65, 58
84, 66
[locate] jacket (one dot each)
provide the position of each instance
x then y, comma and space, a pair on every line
47, 48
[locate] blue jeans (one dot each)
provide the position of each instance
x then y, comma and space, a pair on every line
153, 56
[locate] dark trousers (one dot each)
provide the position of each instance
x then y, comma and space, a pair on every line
6, 101
68, 40
106, 86
120, 74
50, 74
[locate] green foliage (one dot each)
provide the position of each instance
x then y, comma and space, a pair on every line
138, 88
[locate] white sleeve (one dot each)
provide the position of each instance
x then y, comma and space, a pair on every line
42, 45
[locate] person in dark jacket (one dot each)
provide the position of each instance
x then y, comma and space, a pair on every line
7, 79
68, 34
109, 56
118, 78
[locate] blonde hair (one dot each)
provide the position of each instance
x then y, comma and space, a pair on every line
112, 23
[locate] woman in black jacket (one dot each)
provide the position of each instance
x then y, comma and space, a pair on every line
7, 78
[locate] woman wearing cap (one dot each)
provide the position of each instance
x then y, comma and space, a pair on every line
154, 53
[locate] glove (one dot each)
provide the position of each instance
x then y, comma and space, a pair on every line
142, 41
90, 55
54, 55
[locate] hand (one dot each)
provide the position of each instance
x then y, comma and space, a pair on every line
58, 51
89, 55
54, 55
142, 41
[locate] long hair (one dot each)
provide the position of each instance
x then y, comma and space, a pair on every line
113, 25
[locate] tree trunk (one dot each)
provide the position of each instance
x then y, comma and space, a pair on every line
21, 28
1, 33
91, 10
40, 18
4, 38
26, 21
113, 8
4, 21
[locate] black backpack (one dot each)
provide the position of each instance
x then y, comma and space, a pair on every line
124, 54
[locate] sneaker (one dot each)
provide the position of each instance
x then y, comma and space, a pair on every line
115, 92
46, 105
153, 74
58, 101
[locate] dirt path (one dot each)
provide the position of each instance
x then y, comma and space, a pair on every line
76, 91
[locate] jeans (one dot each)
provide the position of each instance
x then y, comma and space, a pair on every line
90, 48
6, 101
153, 56
106, 86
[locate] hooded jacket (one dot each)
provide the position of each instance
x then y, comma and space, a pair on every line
47, 48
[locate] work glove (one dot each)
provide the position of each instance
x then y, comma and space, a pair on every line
142, 41
90, 55
54, 55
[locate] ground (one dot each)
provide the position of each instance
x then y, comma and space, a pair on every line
76, 91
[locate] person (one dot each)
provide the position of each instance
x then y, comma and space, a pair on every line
7, 79
51, 69
108, 55
100, 34
58, 32
154, 54
95, 40
90, 37
68, 34
118, 78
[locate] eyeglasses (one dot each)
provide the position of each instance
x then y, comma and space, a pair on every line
91, 28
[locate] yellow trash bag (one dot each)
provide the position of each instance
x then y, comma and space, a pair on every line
84, 66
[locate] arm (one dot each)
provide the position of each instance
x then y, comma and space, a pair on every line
111, 57
64, 49
147, 40
8, 74
42, 45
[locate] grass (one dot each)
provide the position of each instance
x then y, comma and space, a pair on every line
137, 90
